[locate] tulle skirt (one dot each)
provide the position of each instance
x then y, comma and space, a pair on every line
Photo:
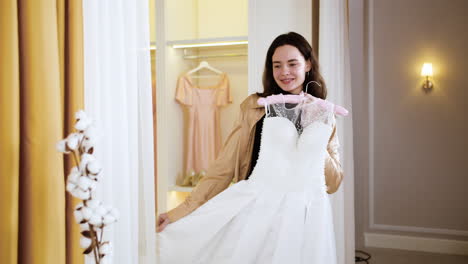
250, 224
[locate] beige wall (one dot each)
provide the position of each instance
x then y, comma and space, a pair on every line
221, 18
193, 19
418, 154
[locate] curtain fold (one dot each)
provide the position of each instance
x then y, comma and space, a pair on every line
9, 132
334, 61
40, 86
118, 96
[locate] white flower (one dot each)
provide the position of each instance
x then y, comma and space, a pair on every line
93, 185
83, 121
75, 192
91, 134
73, 140
85, 242
106, 260
87, 213
61, 146
108, 219
101, 211
83, 124
87, 145
92, 204
95, 220
85, 159
80, 114
105, 248
94, 167
78, 216
73, 182
84, 183
71, 186
83, 194
74, 175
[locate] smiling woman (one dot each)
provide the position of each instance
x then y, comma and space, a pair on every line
289, 68
290, 64
283, 178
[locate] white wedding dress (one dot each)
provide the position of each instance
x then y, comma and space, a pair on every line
281, 215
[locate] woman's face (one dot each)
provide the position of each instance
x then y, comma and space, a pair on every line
289, 68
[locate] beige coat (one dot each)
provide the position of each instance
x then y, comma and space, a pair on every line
233, 162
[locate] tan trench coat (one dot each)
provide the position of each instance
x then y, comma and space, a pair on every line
233, 162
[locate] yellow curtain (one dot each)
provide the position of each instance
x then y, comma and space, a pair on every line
41, 85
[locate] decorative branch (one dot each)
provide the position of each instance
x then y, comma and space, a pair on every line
91, 214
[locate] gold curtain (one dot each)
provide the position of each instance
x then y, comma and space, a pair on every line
41, 86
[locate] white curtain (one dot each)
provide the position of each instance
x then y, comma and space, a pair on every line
118, 97
334, 60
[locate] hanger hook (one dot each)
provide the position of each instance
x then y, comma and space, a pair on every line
312, 82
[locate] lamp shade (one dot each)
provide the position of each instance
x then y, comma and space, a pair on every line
426, 69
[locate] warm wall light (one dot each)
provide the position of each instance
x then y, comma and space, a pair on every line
426, 71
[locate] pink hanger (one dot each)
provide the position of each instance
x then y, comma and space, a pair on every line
295, 99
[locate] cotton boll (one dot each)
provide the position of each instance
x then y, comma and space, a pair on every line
84, 194
94, 167
83, 124
105, 248
72, 141
85, 159
84, 182
62, 146
82, 120
84, 227
93, 204
74, 175
79, 206
108, 219
70, 187
93, 185
101, 211
91, 134
85, 242
106, 260
96, 177
88, 144
76, 193
95, 220
87, 213
78, 216
80, 114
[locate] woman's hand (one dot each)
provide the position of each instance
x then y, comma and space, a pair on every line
162, 222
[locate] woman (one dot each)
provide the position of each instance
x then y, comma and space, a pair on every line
290, 65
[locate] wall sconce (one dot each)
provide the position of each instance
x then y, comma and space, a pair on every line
426, 71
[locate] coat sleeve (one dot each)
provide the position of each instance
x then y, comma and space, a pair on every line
333, 169
218, 177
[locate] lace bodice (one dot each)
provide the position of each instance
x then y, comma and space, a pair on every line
303, 114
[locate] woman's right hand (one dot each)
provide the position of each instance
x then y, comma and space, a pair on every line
162, 222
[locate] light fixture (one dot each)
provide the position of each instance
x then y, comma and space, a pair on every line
210, 44
426, 71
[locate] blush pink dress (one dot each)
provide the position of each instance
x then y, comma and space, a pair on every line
201, 106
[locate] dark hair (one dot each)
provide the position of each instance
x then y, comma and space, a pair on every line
294, 39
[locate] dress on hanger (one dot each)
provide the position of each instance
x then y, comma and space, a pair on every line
282, 214
202, 107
